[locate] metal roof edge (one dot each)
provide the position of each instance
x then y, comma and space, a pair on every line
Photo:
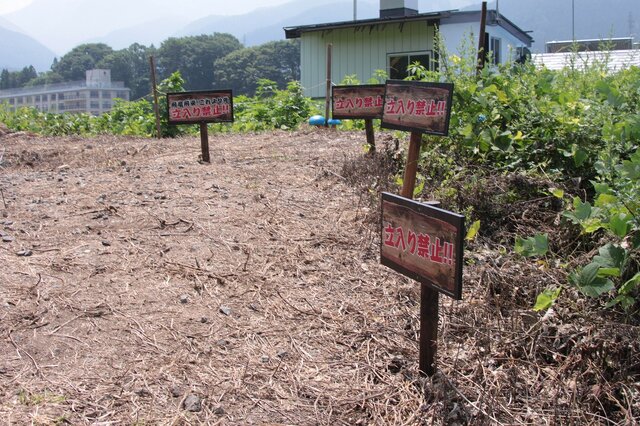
296, 31
463, 16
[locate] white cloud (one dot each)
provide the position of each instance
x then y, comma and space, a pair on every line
8, 6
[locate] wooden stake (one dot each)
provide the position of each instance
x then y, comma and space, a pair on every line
3, 200
204, 142
154, 90
482, 48
371, 139
411, 170
328, 95
429, 298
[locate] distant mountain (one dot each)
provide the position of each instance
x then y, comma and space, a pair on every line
253, 29
148, 33
18, 50
594, 19
64, 24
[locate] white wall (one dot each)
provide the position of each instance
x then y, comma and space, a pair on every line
454, 34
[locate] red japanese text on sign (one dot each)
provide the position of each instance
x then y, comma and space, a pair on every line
421, 245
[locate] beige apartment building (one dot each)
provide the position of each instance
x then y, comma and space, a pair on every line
94, 96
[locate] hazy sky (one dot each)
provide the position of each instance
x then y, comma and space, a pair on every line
62, 24
223, 7
7, 6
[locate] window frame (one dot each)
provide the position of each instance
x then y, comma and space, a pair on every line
409, 55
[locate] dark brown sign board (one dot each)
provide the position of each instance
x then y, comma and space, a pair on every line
358, 102
417, 106
423, 242
200, 107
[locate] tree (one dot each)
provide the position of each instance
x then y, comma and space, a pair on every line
26, 75
277, 60
45, 78
73, 65
194, 57
11, 80
6, 80
130, 65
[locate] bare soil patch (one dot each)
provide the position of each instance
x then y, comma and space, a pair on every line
138, 286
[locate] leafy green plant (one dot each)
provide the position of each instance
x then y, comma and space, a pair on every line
535, 246
614, 211
546, 299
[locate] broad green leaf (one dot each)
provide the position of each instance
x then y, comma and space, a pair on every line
503, 141
588, 282
609, 272
611, 256
620, 224
546, 299
604, 200
418, 188
601, 188
592, 225
473, 231
558, 193
627, 302
631, 169
582, 210
630, 285
532, 246
579, 155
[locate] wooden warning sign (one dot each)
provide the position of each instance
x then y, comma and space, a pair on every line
358, 102
200, 107
423, 242
417, 106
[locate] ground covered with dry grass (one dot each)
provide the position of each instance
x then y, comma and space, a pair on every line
139, 286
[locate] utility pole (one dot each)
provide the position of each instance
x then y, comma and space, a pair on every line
355, 10
573, 20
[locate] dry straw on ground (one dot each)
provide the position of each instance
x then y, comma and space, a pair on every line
138, 286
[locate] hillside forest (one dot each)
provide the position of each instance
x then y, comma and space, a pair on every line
204, 62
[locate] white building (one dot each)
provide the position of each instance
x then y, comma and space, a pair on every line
95, 95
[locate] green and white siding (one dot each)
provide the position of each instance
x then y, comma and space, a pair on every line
359, 50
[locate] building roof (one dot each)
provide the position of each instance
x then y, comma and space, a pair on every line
441, 18
615, 60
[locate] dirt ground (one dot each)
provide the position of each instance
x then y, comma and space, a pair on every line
139, 286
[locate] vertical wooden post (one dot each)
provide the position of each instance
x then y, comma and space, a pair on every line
371, 138
429, 298
204, 142
154, 90
482, 49
328, 96
411, 170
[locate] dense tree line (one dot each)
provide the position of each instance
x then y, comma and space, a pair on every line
205, 62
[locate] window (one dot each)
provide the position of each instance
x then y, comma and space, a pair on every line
495, 50
106, 105
95, 94
399, 62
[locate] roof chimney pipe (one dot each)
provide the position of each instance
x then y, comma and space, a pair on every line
398, 8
